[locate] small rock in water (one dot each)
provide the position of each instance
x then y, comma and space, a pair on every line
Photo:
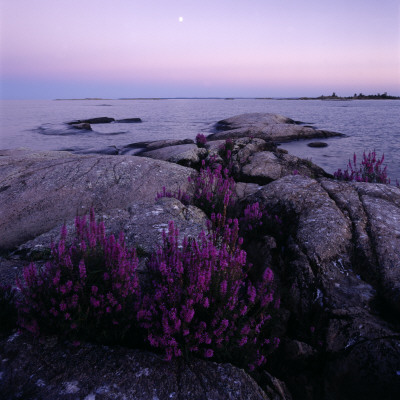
83, 125
98, 120
317, 144
129, 120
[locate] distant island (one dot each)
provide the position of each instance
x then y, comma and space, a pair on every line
356, 96
333, 96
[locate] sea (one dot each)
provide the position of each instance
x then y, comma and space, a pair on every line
367, 124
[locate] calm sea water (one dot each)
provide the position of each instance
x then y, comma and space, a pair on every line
39, 125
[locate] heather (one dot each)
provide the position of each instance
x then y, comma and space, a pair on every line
371, 169
201, 301
197, 299
201, 140
89, 289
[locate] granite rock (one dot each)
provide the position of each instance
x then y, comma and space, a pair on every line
267, 126
41, 190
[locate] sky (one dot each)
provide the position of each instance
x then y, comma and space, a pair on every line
198, 48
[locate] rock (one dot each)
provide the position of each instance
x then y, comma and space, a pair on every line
250, 119
141, 223
275, 388
317, 144
154, 145
341, 279
243, 190
159, 144
110, 150
369, 370
374, 210
129, 120
41, 190
99, 120
50, 370
266, 166
270, 127
83, 126
184, 154
256, 161
10, 269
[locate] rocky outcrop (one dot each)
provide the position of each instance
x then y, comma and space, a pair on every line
341, 279
266, 126
184, 154
141, 223
51, 370
40, 191
257, 161
336, 259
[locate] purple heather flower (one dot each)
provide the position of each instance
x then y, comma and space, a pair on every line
208, 353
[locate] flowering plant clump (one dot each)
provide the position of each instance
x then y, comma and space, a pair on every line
225, 151
256, 222
8, 311
370, 170
202, 302
89, 289
180, 195
201, 140
214, 189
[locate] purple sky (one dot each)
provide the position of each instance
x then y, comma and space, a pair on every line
223, 48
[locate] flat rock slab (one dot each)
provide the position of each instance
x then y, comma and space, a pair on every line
51, 370
267, 126
39, 191
184, 154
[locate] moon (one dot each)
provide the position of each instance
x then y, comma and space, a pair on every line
180, 19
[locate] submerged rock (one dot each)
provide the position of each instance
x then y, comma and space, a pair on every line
266, 126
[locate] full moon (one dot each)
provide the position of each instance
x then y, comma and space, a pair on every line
180, 19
